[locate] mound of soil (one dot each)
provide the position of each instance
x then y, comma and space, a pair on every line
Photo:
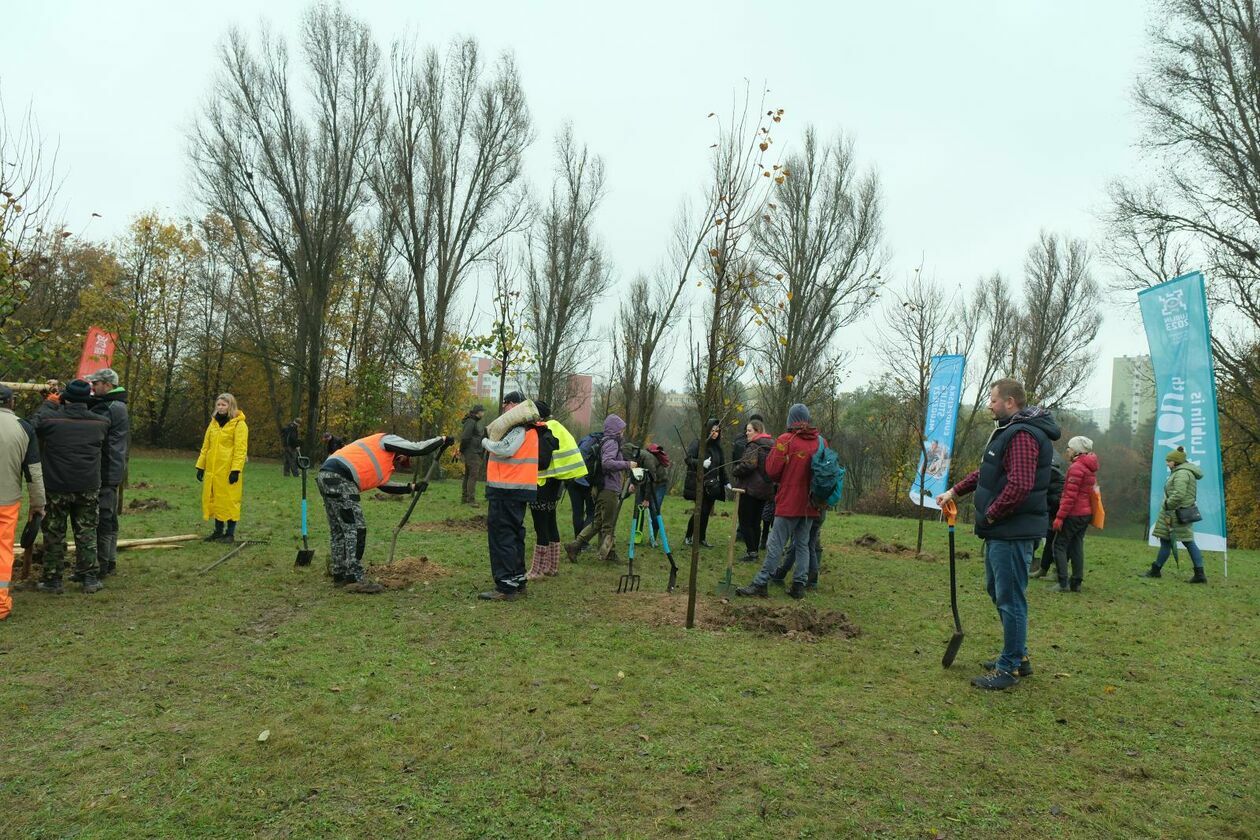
874, 543
141, 505
407, 572
474, 523
801, 622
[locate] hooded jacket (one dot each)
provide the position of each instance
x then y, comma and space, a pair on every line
1029, 519
1180, 490
1078, 486
224, 450
751, 477
789, 464
113, 406
715, 479
610, 453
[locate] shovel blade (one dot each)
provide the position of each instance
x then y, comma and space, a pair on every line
951, 650
304, 557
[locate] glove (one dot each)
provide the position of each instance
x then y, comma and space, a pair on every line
707, 462
234, 476
450, 441
1058, 525
200, 473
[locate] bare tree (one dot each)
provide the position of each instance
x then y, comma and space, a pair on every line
1203, 140
820, 239
637, 331
917, 327
446, 177
292, 182
567, 273
1061, 318
987, 325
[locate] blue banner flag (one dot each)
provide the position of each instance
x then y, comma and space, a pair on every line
944, 394
1176, 319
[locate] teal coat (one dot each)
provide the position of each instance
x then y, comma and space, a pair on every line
1181, 489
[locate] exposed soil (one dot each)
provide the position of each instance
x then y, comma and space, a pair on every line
407, 572
800, 622
388, 497
142, 505
874, 543
474, 523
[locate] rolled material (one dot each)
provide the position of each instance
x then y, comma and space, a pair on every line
525, 412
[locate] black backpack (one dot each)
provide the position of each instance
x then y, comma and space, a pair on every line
591, 448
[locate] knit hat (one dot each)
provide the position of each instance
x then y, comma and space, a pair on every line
1081, 444
798, 414
477, 409
544, 410
513, 398
77, 391
104, 375
1177, 456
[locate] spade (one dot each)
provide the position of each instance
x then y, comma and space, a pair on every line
955, 642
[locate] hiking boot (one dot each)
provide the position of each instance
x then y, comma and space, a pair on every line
687, 541
778, 579
812, 581
753, 590
1152, 572
52, 586
1025, 668
339, 579
996, 681
571, 551
1075, 585
215, 537
797, 590
1199, 577
361, 585
496, 595
748, 557
1040, 573
91, 585
705, 544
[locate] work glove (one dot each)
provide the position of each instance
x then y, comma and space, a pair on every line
1058, 525
234, 476
200, 473
450, 441
707, 462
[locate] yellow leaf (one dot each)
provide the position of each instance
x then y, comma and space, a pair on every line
783, 340
790, 378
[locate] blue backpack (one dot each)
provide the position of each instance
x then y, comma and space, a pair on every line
826, 480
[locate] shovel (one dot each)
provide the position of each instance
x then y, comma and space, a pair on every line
305, 553
726, 586
955, 642
415, 497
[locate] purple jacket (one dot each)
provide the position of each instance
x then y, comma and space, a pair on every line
610, 453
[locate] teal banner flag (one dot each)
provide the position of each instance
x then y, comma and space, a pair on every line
944, 394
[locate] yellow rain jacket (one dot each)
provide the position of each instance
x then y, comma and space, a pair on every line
222, 451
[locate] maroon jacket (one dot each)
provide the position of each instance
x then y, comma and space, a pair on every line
1077, 487
789, 464
752, 480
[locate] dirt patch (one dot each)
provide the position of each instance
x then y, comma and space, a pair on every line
388, 497
407, 572
800, 622
142, 505
140, 485
471, 524
265, 625
874, 543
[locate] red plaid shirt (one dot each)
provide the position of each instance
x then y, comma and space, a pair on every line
1020, 463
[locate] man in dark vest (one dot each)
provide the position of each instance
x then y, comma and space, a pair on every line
1011, 514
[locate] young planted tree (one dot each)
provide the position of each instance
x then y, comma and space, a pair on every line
288, 172
821, 243
735, 198
916, 328
446, 175
507, 342
566, 273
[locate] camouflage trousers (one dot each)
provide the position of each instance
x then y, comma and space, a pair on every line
81, 510
346, 525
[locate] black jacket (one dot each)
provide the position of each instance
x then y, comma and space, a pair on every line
470, 435
289, 437
71, 440
113, 406
714, 477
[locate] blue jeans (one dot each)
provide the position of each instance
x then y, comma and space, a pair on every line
815, 544
795, 528
1006, 565
1192, 548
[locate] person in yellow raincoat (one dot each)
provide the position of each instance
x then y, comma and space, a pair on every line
220, 465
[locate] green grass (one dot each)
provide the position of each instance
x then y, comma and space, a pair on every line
425, 713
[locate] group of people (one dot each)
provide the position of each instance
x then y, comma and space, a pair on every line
72, 454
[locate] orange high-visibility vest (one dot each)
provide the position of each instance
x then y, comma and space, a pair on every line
371, 464
515, 472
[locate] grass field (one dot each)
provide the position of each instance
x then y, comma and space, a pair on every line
422, 712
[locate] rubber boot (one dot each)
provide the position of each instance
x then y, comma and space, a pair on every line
553, 559
1153, 571
230, 535
536, 563
218, 532
1199, 577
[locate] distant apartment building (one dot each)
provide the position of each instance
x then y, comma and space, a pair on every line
485, 386
1133, 386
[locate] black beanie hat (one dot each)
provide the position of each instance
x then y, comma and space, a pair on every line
77, 391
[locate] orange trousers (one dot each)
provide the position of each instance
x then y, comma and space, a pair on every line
8, 528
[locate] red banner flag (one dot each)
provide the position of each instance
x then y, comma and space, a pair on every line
98, 352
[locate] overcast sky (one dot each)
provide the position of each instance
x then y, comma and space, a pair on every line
986, 121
